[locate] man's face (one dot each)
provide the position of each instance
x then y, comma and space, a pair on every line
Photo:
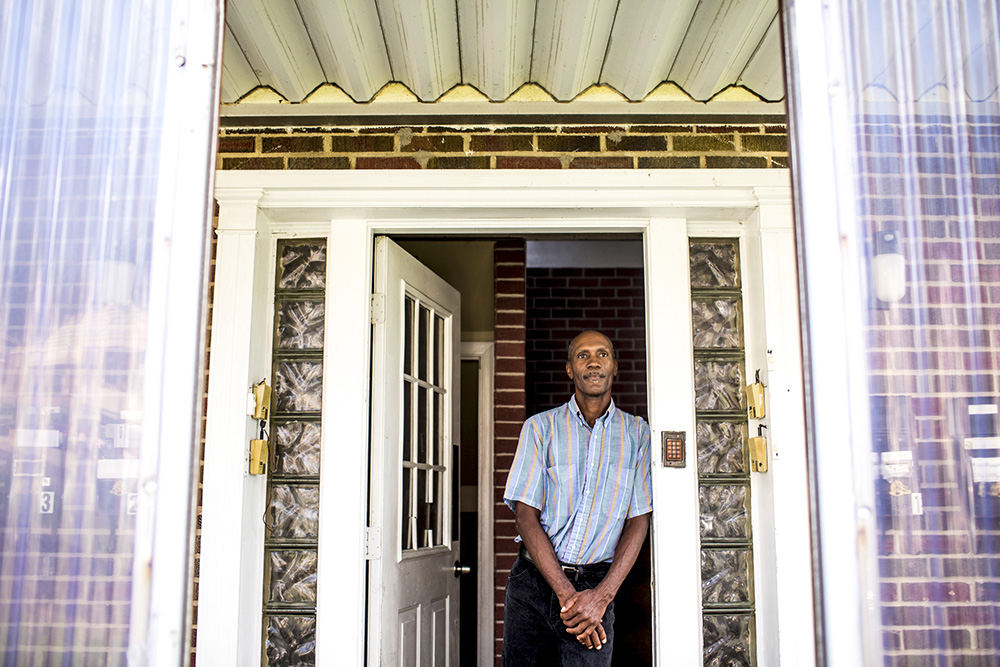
591, 365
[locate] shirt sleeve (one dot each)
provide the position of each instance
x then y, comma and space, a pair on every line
642, 490
525, 480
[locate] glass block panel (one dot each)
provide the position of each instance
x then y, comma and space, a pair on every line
296, 450
725, 576
423, 324
718, 385
720, 448
298, 386
408, 336
728, 640
716, 322
294, 511
292, 576
724, 511
714, 264
302, 265
300, 325
290, 641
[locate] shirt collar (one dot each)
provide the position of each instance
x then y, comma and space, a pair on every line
604, 419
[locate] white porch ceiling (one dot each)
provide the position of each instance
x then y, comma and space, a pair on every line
496, 46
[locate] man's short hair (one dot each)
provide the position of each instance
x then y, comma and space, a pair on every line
569, 345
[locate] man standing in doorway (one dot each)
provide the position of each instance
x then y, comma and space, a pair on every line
580, 491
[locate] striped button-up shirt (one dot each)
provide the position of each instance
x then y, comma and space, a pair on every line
586, 482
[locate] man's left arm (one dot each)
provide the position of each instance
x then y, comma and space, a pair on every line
586, 608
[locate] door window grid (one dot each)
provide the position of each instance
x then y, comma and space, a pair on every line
423, 426
292, 515
728, 618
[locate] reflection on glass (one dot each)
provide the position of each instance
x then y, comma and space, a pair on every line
408, 336
292, 576
725, 576
297, 448
715, 322
714, 264
723, 511
300, 325
298, 386
727, 640
290, 641
294, 511
720, 448
423, 323
302, 265
718, 385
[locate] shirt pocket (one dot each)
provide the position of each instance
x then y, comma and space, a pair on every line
621, 500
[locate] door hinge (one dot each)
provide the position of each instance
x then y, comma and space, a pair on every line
378, 308
373, 546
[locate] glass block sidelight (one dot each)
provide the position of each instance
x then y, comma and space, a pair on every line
292, 514
290, 641
723, 466
729, 640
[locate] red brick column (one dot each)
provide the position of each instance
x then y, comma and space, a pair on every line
508, 405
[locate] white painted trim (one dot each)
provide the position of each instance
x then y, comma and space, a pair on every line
664, 206
343, 490
677, 628
485, 565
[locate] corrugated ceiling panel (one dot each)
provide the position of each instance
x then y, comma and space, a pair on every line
644, 41
421, 37
571, 39
348, 40
237, 75
763, 74
496, 41
721, 38
276, 45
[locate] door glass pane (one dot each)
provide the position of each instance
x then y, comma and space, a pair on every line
423, 324
421, 424
292, 576
436, 439
302, 265
728, 640
294, 511
300, 325
718, 385
724, 511
407, 510
438, 350
714, 263
720, 447
406, 427
290, 641
297, 448
298, 386
423, 509
408, 336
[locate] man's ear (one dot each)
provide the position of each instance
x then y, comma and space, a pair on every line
569, 370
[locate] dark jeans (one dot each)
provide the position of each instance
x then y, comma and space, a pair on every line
533, 632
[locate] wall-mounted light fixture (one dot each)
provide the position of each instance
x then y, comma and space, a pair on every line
888, 267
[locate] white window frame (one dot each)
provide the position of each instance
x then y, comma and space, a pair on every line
350, 208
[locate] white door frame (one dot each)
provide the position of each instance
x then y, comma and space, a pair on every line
350, 208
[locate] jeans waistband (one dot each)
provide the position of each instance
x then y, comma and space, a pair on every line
573, 572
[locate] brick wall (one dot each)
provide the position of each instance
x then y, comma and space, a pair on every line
508, 406
562, 302
555, 147
929, 355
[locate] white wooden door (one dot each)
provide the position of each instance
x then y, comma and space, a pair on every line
413, 605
